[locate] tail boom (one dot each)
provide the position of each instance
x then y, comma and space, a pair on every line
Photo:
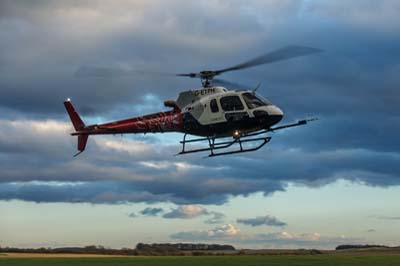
170, 121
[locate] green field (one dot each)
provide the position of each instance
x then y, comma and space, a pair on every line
303, 260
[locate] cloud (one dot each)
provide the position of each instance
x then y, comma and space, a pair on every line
286, 239
226, 231
27, 136
217, 218
194, 211
230, 234
186, 212
77, 192
133, 149
132, 215
383, 217
146, 29
261, 220
357, 14
287, 236
147, 212
144, 168
151, 211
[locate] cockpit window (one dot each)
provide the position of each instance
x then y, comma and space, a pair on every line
231, 103
253, 101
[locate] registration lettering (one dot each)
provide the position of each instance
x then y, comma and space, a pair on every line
204, 91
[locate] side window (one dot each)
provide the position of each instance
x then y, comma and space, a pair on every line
231, 103
214, 106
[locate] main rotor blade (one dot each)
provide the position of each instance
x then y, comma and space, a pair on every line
278, 55
107, 72
190, 75
229, 84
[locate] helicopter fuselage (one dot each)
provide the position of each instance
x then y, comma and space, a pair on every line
216, 111
211, 111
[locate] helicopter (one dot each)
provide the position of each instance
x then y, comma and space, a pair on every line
226, 121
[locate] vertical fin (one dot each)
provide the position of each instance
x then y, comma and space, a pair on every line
74, 116
78, 125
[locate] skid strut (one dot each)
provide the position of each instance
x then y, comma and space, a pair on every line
214, 145
240, 140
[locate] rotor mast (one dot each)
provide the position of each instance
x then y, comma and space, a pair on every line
206, 77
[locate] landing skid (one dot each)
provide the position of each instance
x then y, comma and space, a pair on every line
214, 145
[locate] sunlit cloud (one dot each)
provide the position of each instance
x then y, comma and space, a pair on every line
226, 232
283, 239
186, 212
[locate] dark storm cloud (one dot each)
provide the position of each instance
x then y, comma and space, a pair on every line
261, 220
97, 192
352, 87
61, 36
140, 166
93, 192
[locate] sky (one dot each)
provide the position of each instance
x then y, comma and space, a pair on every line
335, 181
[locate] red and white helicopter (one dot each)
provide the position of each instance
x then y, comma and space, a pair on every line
229, 121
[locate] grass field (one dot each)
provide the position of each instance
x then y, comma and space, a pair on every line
297, 260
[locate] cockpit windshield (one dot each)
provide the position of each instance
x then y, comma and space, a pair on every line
254, 101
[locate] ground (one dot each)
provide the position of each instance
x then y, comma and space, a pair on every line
345, 259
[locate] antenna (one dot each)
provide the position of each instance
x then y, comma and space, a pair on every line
256, 88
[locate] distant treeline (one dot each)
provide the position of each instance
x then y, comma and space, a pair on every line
341, 247
185, 249
184, 246
72, 250
141, 249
